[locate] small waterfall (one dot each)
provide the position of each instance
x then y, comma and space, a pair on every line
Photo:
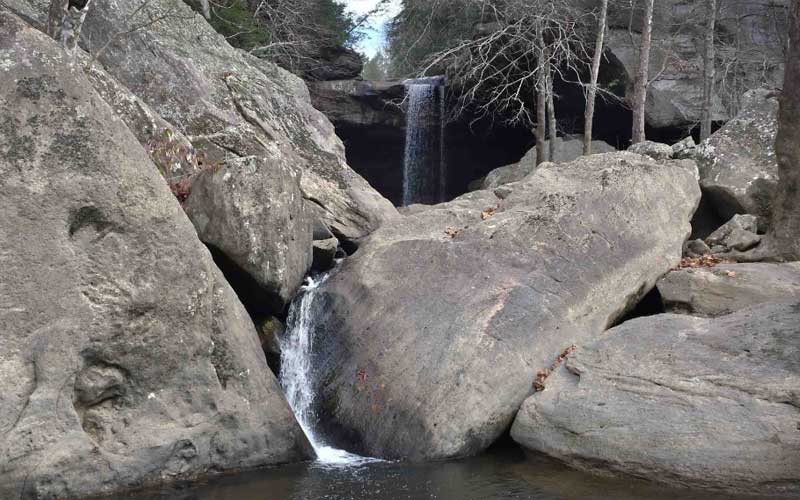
424, 172
296, 373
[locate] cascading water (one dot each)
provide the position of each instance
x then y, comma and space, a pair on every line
424, 175
296, 373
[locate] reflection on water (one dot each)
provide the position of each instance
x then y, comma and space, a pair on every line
503, 474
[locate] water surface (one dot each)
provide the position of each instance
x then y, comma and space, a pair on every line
501, 474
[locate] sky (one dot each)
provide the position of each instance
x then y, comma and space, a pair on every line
376, 34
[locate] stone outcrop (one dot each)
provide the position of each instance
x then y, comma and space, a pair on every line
252, 212
677, 399
125, 358
331, 63
728, 288
428, 339
737, 164
228, 103
361, 103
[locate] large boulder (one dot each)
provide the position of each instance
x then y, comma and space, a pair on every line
251, 210
682, 400
428, 339
228, 103
567, 150
125, 357
727, 288
738, 168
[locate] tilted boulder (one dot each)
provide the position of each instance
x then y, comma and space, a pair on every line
737, 163
682, 400
251, 210
728, 288
428, 339
125, 357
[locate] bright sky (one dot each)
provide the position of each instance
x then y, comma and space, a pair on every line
376, 34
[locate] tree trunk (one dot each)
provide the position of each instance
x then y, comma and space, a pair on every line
55, 16
72, 24
551, 113
65, 20
541, 120
784, 237
709, 71
541, 101
641, 81
591, 96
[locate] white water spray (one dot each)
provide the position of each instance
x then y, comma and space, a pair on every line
295, 376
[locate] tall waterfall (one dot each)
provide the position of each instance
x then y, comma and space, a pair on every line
424, 165
296, 373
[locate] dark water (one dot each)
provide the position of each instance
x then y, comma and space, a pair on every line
505, 474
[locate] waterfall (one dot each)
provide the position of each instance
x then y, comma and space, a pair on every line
296, 374
424, 179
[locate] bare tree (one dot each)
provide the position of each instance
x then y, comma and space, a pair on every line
591, 94
500, 71
709, 70
641, 81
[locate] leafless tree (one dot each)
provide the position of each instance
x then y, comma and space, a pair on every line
591, 93
511, 62
709, 70
642, 78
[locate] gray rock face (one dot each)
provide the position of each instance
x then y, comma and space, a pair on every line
253, 212
228, 103
169, 149
737, 164
675, 96
125, 357
727, 288
566, 151
654, 150
428, 339
679, 399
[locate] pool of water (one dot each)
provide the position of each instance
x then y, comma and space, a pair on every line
503, 474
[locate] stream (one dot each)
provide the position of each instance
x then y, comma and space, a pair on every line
503, 473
